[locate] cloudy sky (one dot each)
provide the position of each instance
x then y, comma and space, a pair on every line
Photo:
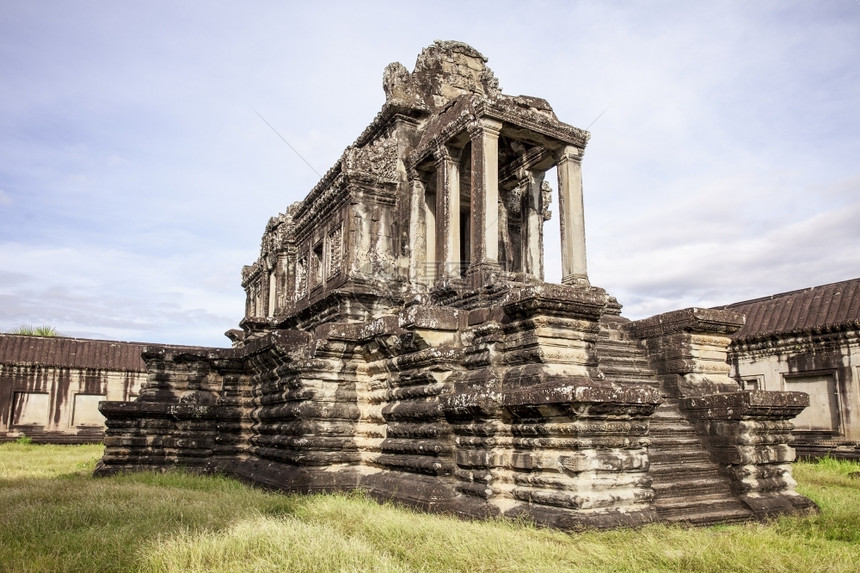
136, 176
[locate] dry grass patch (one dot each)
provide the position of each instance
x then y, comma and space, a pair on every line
59, 518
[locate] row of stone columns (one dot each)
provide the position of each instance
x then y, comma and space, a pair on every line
484, 134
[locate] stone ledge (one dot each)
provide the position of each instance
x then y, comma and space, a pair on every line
738, 405
569, 301
693, 320
641, 401
160, 410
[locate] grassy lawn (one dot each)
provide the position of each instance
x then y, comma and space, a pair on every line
56, 517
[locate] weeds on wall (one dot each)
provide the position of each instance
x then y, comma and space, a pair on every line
29, 330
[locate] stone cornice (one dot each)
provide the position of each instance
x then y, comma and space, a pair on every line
766, 338
747, 404
569, 153
388, 114
691, 320
484, 125
159, 410
327, 200
795, 343
575, 398
463, 112
334, 197
515, 169
499, 109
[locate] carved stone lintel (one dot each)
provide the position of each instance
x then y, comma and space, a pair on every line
376, 160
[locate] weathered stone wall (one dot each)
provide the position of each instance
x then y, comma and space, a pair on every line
50, 387
825, 365
189, 412
502, 411
807, 340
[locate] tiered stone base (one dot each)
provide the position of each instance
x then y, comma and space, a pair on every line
546, 405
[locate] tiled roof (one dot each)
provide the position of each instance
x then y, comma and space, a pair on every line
822, 308
71, 352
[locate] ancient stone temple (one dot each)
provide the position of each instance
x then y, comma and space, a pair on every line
399, 338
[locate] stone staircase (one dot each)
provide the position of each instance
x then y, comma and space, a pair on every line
688, 486
622, 361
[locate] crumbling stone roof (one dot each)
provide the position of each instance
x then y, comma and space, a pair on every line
71, 353
824, 308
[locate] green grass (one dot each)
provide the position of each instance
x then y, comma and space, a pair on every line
56, 517
30, 330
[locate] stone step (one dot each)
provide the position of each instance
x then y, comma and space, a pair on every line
671, 441
628, 370
708, 498
695, 513
664, 422
613, 333
666, 414
630, 380
610, 336
625, 364
675, 443
621, 349
688, 487
675, 458
622, 360
666, 425
664, 465
673, 436
701, 490
693, 486
616, 356
629, 367
615, 339
607, 356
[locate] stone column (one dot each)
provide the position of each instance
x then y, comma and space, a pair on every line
273, 291
532, 229
571, 213
485, 199
289, 275
447, 213
418, 233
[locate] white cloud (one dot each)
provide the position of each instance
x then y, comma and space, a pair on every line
107, 293
707, 269
138, 178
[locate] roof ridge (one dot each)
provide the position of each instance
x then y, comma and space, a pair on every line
822, 308
788, 293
